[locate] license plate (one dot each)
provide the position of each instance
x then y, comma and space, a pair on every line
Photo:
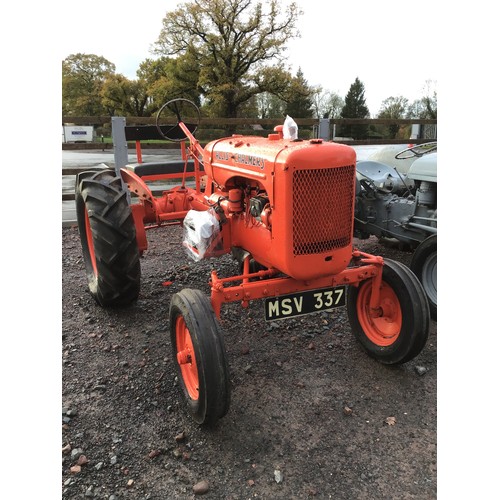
298, 304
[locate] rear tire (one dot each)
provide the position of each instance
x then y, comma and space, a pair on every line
108, 237
400, 330
424, 265
199, 356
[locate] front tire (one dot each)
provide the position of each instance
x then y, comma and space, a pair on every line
199, 356
424, 265
108, 237
400, 328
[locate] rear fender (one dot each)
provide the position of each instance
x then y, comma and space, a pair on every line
137, 186
138, 213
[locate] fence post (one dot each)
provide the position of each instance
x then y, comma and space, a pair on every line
415, 131
119, 146
324, 129
119, 142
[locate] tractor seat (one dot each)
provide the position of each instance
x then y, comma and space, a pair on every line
170, 167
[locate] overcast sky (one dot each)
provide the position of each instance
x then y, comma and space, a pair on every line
377, 42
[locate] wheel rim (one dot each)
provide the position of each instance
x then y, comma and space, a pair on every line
383, 326
186, 358
90, 242
429, 277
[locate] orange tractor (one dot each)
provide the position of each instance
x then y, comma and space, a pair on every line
284, 208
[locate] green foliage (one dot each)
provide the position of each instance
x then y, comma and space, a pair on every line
269, 106
231, 42
83, 76
355, 107
167, 78
426, 106
298, 97
393, 107
123, 97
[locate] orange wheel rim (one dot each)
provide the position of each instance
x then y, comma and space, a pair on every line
382, 326
90, 242
186, 358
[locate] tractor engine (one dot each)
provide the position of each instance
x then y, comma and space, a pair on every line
290, 204
394, 205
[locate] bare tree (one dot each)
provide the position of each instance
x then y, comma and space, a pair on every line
326, 104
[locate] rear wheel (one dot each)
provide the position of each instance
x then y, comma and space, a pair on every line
398, 330
424, 265
107, 234
200, 356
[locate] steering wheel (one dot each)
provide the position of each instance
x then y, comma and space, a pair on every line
418, 151
170, 115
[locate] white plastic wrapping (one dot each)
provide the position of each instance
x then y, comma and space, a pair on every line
201, 230
290, 129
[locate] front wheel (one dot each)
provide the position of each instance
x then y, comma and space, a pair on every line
398, 330
424, 265
199, 356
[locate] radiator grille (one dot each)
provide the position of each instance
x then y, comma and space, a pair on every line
322, 209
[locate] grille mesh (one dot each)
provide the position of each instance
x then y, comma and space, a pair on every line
322, 209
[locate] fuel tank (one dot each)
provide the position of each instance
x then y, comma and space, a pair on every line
424, 168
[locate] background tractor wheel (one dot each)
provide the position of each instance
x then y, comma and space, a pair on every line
399, 331
200, 356
107, 233
424, 265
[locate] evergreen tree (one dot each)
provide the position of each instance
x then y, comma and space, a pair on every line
299, 98
355, 107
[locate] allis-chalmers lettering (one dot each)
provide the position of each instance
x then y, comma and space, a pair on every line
221, 155
250, 160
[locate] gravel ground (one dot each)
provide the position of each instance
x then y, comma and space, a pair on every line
311, 414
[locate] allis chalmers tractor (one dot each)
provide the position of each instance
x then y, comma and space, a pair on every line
284, 208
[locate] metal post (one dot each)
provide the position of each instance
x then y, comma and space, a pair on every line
415, 131
119, 146
324, 129
119, 142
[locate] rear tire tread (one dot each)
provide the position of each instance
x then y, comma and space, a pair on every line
101, 195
